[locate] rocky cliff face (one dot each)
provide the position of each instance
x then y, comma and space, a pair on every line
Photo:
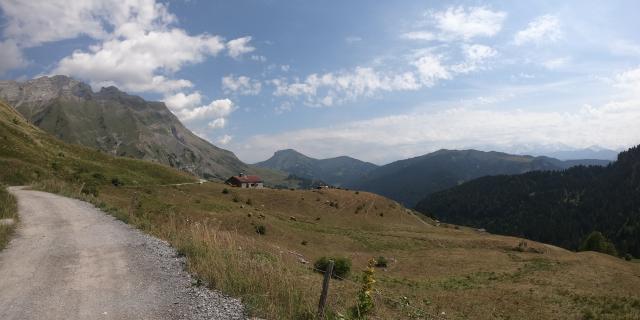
117, 123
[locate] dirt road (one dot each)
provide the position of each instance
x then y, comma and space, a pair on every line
71, 261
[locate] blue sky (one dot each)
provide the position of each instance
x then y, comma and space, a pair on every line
379, 81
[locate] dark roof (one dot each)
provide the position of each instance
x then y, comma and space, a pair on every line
247, 179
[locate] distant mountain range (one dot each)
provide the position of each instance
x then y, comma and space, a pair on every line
408, 181
561, 208
119, 124
335, 171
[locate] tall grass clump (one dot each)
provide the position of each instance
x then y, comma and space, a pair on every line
8, 210
240, 266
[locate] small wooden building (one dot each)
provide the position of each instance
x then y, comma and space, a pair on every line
245, 181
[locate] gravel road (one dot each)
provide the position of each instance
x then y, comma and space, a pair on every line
69, 260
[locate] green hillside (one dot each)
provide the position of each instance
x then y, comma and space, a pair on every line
561, 207
29, 154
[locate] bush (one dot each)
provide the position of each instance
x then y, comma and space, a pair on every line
225, 191
341, 266
628, 257
381, 262
235, 198
116, 182
304, 242
596, 241
261, 230
249, 202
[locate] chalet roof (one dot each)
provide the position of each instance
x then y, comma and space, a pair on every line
247, 179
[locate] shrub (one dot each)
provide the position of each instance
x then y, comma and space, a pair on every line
381, 262
225, 191
304, 242
116, 182
628, 257
596, 241
249, 201
235, 198
341, 266
261, 230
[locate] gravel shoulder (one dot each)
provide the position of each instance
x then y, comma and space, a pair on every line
69, 260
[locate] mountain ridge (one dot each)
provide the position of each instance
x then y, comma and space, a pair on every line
336, 171
119, 124
410, 180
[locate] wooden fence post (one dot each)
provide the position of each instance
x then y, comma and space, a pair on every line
325, 290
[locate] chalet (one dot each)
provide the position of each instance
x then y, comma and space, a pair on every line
244, 181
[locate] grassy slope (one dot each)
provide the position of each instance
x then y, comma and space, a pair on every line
465, 273
437, 268
8, 210
29, 154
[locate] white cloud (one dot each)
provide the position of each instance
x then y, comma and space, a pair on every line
467, 23
629, 79
543, 29
225, 139
217, 123
613, 125
136, 63
240, 46
431, 70
216, 109
555, 63
333, 88
475, 58
181, 100
241, 85
10, 56
419, 35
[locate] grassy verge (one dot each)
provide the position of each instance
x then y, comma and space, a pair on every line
8, 210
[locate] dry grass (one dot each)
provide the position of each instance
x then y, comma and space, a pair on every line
436, 268
8, 210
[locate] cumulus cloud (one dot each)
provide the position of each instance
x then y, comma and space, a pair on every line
217, 123
475, 58
332, 88
181, 100
139, 47
431, 69
423, 132
460, 23
241, 85
10, 56
467, 23
216, 109
225, 139
137, 63
543, 29
240, 46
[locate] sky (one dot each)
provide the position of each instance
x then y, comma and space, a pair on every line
375, 80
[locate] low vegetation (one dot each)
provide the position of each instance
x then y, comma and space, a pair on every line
8, 216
